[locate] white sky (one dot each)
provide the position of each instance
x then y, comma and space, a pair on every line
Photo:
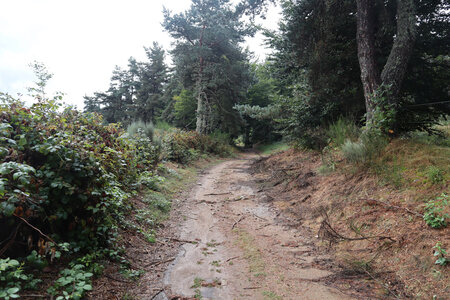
81, 41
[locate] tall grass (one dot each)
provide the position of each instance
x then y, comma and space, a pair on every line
343, 129
370, 144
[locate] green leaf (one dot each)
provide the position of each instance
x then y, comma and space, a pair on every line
12, 290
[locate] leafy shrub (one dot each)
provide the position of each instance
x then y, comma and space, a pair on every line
440, 253
434, 174
185, 146
434, 215
65, 172
11, 275
72, 284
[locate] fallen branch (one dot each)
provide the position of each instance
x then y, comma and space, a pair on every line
231, 258
207, 202
327, 232
252, 288
157, 293
238, 199
217, 194
236, 222
393, 206
40, 232
158, 262
180, 240
260, 217
382, 283
265, 225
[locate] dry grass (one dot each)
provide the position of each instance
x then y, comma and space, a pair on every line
404, 175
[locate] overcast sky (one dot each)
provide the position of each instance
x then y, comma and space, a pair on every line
81, 41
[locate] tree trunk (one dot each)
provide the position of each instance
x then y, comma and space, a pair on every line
202, 124
202, 114
366, 54
395, 68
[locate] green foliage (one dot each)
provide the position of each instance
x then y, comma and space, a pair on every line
162, 126
434, 215
184, 146
210, 63
72, 284
135, 93
430, 139
11, 275
369, 145
319, 37
141, 128
185, 107
354, 152
440, 253
342, 130
269, 149
67, 171
43, 76
434, 174
35, 260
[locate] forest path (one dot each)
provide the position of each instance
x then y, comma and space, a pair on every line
241, 249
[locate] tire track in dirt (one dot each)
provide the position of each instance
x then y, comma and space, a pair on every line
240, 249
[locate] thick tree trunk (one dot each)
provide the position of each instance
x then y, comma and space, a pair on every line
395, 68
366, 53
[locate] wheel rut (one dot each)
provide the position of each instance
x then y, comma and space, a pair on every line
238, 248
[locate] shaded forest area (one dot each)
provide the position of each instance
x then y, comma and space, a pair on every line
364, 84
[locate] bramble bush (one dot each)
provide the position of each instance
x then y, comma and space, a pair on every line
64, 172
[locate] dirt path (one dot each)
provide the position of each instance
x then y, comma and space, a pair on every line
239, 248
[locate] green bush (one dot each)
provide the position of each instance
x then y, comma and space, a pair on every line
11, 277
185, 146
440, 253
66, 172
72, 284
434, 174
434, 215
141, 128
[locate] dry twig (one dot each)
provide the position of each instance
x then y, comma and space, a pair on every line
393, 206
40, 232
236, 222
327, 232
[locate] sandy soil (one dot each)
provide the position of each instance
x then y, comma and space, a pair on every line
239, 247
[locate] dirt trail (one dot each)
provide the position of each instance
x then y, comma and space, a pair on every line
240, 247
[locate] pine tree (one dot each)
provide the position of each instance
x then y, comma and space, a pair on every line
209, 60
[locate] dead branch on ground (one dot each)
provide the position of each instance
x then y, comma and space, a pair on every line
393, 206
327, 232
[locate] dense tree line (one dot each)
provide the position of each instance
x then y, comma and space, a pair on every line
384, 62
